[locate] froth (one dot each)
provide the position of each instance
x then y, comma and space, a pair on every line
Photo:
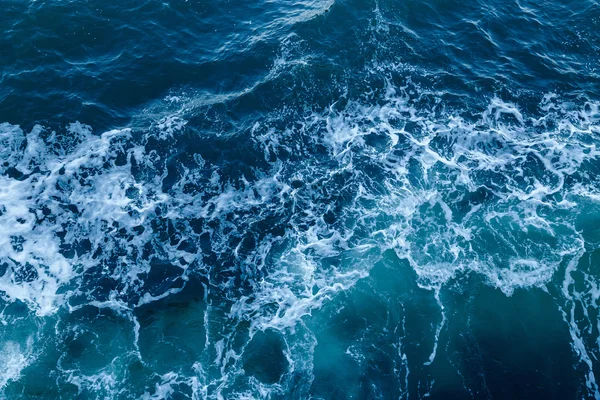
493, 194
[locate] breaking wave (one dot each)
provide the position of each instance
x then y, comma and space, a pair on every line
259, 229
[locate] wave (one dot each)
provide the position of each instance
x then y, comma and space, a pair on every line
271, 224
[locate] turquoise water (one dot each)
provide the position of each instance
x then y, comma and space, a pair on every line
340, 199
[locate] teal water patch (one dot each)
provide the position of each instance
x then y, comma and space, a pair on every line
264, 357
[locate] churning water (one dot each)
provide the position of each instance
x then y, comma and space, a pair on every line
320, 199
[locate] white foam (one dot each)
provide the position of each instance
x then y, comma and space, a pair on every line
450, 194
14, 359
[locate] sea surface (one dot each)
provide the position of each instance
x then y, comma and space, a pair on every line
308, 199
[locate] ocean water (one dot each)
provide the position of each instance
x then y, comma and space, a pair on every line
315, 199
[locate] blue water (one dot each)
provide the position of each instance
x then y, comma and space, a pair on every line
320, 199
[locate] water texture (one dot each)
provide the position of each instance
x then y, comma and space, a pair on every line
318, 199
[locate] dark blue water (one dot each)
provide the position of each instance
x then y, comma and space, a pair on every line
340, 199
